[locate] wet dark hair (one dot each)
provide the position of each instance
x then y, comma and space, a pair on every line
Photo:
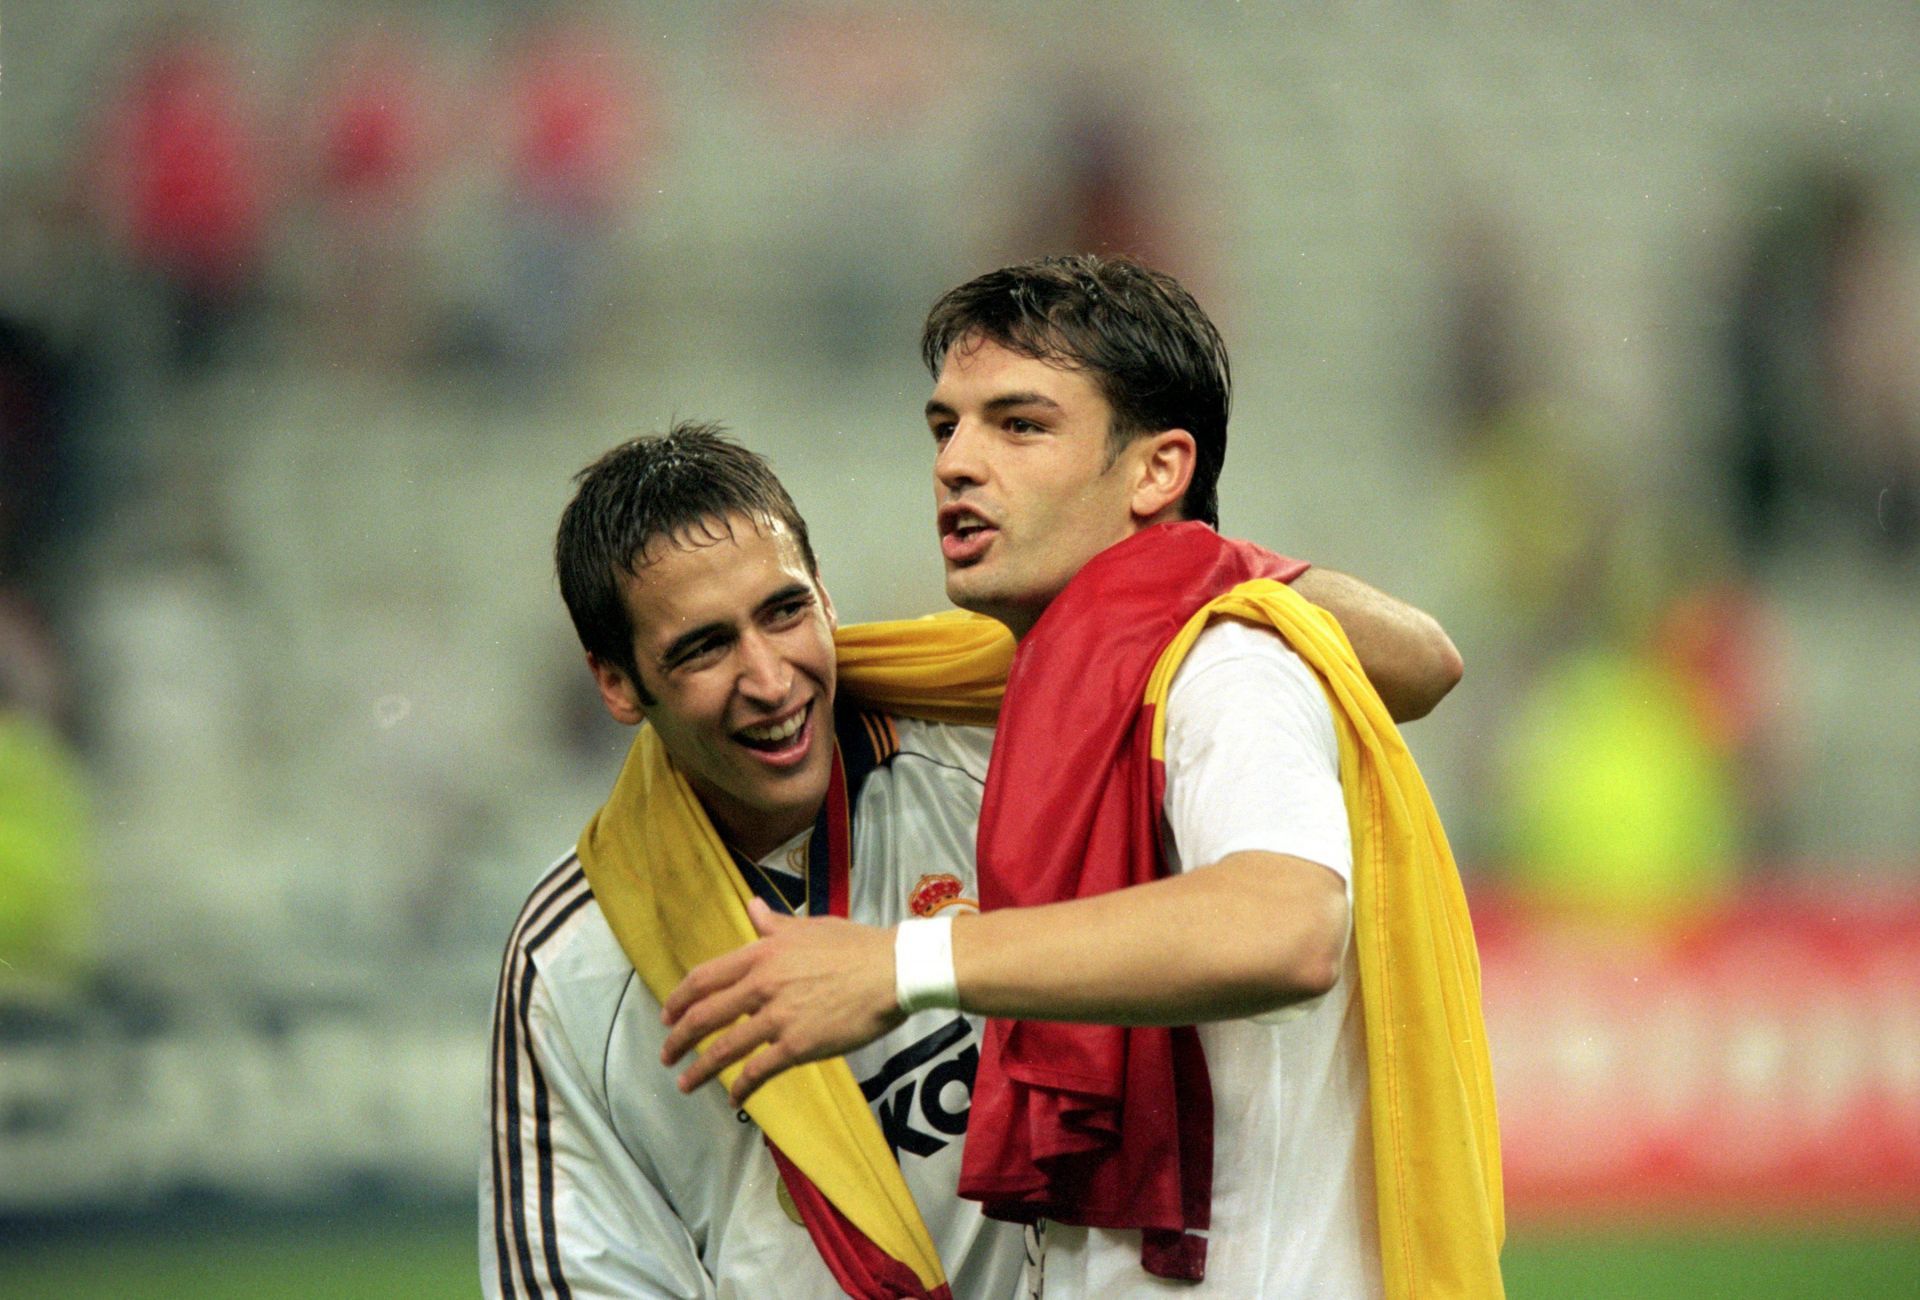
686, 481
1158, 359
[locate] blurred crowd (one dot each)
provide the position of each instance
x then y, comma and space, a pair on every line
225, 191
1655, 747
202, 221
407, 207
296, 351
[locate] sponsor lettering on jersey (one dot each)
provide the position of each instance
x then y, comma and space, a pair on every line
924, 1091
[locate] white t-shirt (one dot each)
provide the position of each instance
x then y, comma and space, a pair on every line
1252, 763
601, 1174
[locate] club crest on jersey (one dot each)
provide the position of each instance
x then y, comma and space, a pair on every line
934, 894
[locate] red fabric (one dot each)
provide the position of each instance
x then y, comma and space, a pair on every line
839, 838
862, 1269
1092, 1124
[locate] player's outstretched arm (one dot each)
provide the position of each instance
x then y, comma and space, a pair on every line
1405, 652
1274, 928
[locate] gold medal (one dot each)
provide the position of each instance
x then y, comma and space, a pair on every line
785, 1198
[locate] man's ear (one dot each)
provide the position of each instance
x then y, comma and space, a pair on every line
1164, 467
617, 691
826, 603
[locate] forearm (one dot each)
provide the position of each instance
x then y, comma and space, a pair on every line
1405, 653
1248, 934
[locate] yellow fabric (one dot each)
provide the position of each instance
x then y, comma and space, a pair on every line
1436, 1143
668, 889
945, 668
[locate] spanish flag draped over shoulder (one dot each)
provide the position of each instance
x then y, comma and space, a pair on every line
1112, 1127
668, 888
1436, 1139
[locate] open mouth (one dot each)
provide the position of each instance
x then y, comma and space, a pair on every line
963, 533
780, 736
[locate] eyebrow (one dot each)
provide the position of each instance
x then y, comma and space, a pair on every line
996, 405
785, 594
681, 644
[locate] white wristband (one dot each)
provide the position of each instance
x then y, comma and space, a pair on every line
923, 965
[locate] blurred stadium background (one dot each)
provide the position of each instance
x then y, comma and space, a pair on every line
1595, 330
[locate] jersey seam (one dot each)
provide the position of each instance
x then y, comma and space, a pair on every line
937, 762
606, 1048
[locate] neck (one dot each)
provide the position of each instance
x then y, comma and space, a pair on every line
758, 841
1021, 621
751, 831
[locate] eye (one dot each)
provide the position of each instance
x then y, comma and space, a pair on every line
942, 431
699, 654
1015, 424
790, 611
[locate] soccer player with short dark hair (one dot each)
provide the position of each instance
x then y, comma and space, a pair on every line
1195, 802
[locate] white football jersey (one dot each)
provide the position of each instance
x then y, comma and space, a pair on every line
603, 1180
1253, 763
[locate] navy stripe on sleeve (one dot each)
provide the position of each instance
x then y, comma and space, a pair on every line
554, 900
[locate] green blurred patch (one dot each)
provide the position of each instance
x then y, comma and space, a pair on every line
416, 1255
1705, 1265
405, 1254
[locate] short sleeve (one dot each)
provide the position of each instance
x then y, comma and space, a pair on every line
1252, 761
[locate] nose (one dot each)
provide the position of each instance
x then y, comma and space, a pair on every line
957, 464
765, 674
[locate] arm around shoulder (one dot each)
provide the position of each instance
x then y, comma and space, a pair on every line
1406, 654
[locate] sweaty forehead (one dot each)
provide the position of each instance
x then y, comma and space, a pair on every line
716, 573
731, 529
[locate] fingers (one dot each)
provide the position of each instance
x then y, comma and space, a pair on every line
704, 979
727, 968
750, 1039
715, 1011
756, 1041
778, 1002
760, 1067
728, 1046
765, 920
